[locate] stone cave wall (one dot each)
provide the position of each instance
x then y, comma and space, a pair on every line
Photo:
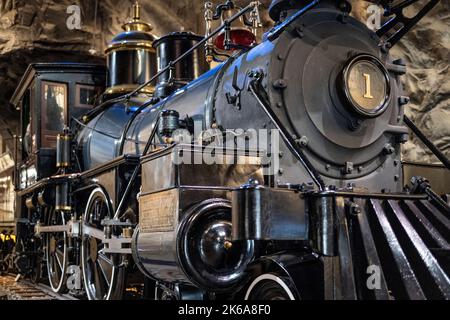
36, 31
426, 49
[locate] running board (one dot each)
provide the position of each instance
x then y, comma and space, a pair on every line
389, 249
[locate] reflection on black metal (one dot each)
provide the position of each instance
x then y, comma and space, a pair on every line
422, 255
408, 276
348, 286
361, 222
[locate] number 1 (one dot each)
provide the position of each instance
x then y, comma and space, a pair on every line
368, 94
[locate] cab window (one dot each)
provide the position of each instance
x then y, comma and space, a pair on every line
28, 131
84, 99
85, 96
54, 106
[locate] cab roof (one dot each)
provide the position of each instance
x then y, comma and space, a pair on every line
35, 69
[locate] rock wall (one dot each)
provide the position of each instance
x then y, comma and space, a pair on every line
426, 49
36, 31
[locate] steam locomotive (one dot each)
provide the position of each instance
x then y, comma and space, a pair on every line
275, 175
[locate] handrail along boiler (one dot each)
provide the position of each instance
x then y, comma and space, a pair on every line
106, 191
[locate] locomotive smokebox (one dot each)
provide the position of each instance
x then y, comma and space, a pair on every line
168, 49
131, 57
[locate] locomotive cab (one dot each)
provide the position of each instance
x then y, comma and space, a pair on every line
49, 96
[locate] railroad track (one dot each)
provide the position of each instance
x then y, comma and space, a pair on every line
16, 288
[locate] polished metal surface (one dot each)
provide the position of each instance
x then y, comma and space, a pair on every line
168, 48
170, 188
206, 250
410, 280
346, 288
168, 170
131, 58
361, 222
62, 201
63, 151
260, 213
323, 221
129, 68
333, 212
420, 252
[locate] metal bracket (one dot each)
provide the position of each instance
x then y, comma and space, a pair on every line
116, 223
222, 8
401, 24
235, 98
117, 245
422, 185
113, 244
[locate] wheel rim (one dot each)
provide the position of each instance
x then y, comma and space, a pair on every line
101, 276
56, 250
269, 287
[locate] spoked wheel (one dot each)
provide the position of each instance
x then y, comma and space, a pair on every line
103, 279
36, 273
270, 287
56, 252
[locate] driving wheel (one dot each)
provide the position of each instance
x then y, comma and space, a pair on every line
56, 252
103, 277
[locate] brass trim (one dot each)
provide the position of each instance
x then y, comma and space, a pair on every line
29, 203
63, 164
136, 24
129, 88
63, 208
63, 137
130, 45
355, 107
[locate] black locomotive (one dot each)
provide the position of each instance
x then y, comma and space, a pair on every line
275, 175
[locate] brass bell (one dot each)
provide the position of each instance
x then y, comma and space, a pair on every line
236, 36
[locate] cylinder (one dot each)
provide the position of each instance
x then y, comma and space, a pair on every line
323, 226
63, 149
169, 48
260, 213
247, 210
62, 202
169, 122
130, 67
